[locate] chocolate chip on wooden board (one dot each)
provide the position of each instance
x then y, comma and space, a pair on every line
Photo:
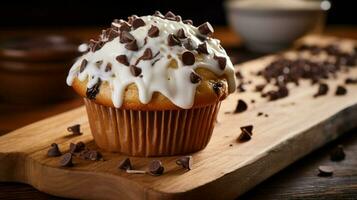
325, 170
54, 151
185, 162
66, 160
337, 154
75, 148
93, 155
241, 106
340, 90
156, 168
75, 129
125, 164
246, 133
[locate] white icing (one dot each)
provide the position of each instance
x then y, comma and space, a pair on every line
174, 83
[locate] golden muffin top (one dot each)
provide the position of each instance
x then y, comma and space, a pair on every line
154, 55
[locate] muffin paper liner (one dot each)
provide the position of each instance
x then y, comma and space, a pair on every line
151, 133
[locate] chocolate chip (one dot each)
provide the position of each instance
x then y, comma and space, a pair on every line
159, 14
75, 129
83, 65
92, 92
181, 34
98, 63
108, 67
172, 40
153, 31
189, 45
75, 148
123, 60
126, 37
187, 21
222, 61
240, 87
66, 160
156, 168
246, 133
132, 18
135, 71
340, 90
206, 29
147, 54
138, 22
171, 16
125, 164
178, 18
217, 87
241, 106
124, 26
259, 114
111, 34
260, 87
132, 46
94, 155
195, 78
54, 151
202, 48
252, 101
337, 154
323, 89
95, 45
351, 81
325, 170
188, 58
185, 162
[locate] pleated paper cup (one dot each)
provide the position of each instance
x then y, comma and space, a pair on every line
151, 133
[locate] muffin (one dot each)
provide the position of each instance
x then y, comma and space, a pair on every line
153, 85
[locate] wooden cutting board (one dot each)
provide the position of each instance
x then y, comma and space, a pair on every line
296, 125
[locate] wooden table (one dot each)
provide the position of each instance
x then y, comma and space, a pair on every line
298, 181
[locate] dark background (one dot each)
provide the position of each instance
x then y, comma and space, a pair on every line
56, 13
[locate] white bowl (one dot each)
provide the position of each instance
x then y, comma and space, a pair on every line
268, 26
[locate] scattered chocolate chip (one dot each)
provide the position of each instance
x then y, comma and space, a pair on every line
172, 40
92, 92
340, 90
187, 21
83, 65
189, 45
181, 34
138, 22
126, 37
75, 148
323, 89
222, 61
95, 45
156, 168
337, 154
260, 87
135, 71
206, 29
123, 60
195, 78
110, 34
94, 155
266, 115
159, 14
217, 87
188, 58
241, 106
133, 46
153, 31
185, 162
132, 18
75, 129
246, 133
231, 145
66, 160
351, 81
259, 114
147, 54
202, 48
252, 101
325, 170
171, 16
54, 151
125, 164
108, 67
240, 87
124, 26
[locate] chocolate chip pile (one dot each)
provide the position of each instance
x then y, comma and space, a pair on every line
282, 71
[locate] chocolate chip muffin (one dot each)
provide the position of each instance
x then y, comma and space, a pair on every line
152, 85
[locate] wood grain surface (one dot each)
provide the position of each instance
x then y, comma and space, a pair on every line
296, 125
